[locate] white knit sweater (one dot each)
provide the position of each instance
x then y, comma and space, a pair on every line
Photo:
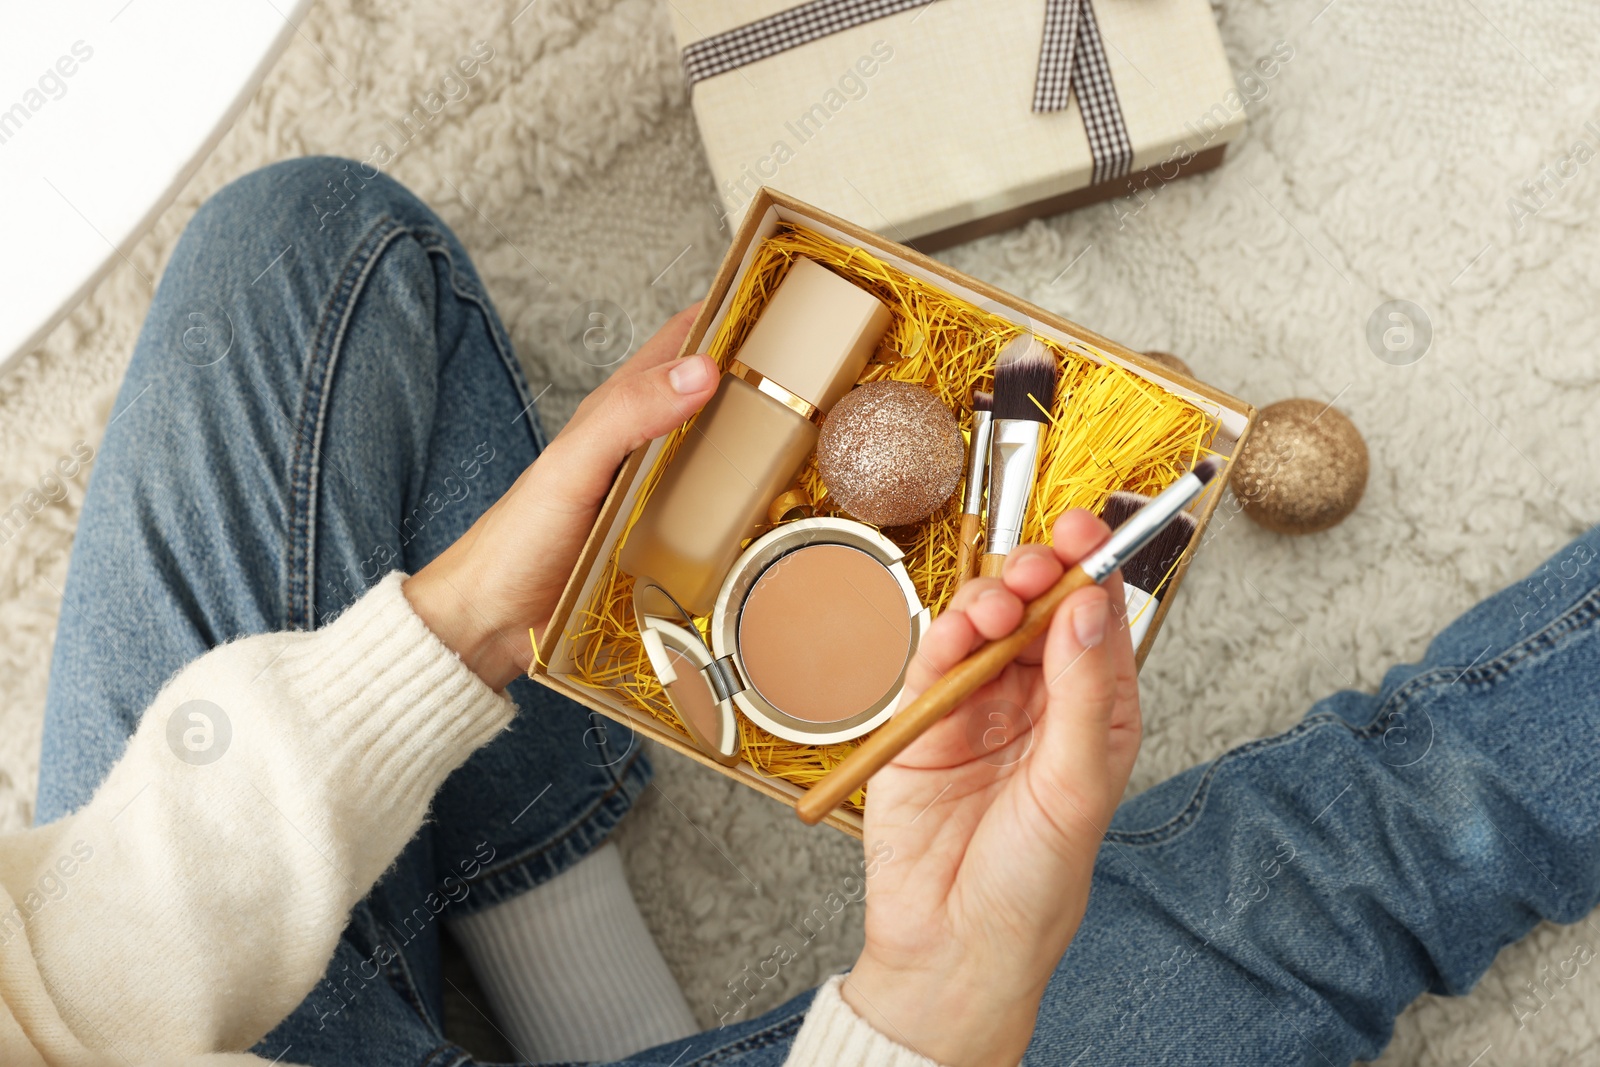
187, 909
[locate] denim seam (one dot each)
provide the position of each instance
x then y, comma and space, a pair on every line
1191, 811
448, 1054
1580, 612
396, 971
409, 989
761, 1039
323, 359
434, 243
576, 825
1583, 610
304, 471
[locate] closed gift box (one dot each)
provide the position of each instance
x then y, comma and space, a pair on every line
570, 654
937, 121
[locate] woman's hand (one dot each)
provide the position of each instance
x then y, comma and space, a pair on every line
995, 815
504, 575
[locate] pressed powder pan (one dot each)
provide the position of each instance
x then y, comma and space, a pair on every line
811, 636
824, 633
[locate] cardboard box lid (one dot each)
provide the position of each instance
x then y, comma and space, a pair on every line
922, 120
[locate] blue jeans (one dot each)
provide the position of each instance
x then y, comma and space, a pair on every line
320, 396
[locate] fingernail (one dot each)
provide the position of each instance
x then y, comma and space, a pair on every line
993, 590
1089, 622
691, 375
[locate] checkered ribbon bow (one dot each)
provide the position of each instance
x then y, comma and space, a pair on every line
1072, 59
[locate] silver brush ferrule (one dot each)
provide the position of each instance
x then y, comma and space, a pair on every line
977, 462
1013, 466
1142, 526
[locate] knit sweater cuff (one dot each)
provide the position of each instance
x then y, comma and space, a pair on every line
835, 1036
400, 711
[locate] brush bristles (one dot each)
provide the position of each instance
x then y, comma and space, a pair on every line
1207, 468
1151, 565
982, 401
1025, 372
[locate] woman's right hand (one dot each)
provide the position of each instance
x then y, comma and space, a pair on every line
993, 818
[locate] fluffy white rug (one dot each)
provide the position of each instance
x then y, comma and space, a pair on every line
1378, 165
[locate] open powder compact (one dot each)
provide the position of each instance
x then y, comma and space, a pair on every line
810, 638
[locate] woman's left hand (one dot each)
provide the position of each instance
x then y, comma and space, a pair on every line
504, 575
985, 829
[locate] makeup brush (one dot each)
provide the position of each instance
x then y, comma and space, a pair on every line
960, 681
1145, 572
1024, 389
977, 469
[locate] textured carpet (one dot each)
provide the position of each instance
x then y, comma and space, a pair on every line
1378, 164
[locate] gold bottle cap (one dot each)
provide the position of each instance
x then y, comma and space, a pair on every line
815, 335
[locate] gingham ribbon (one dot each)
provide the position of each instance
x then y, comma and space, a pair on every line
1072, 59
1073, 56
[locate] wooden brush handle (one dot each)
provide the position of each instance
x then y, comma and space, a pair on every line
993, 564
937, 701
967, 547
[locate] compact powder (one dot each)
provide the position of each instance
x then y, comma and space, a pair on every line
825, 633
692, 697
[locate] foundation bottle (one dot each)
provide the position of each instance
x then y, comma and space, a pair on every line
745, 448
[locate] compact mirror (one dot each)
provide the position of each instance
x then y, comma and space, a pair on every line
695, 686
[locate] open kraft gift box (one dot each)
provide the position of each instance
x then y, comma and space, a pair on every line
591, 650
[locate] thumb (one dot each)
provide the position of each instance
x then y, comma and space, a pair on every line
1081, 682
622, 415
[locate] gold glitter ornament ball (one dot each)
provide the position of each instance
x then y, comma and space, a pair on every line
1303, 469
890, 453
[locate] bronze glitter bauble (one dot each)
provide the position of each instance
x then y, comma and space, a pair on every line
890, 453
1303, 469
1171, 362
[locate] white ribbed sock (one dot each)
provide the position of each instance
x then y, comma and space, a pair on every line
570, 969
